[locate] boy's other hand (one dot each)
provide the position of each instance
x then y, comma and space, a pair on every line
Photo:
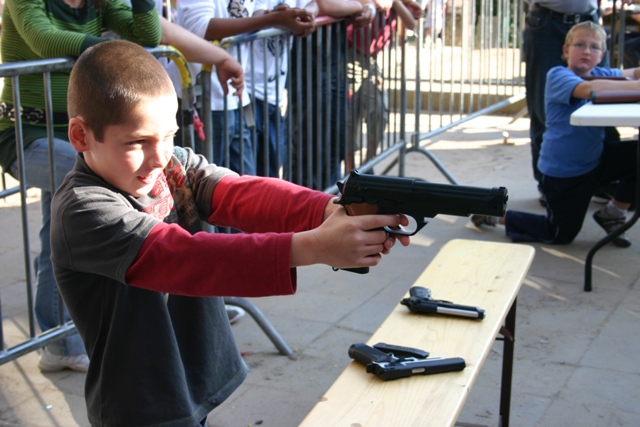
231, 70
344, 241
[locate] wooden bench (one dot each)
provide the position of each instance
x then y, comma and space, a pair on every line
483, 274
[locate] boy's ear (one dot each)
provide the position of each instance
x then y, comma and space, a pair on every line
78, 134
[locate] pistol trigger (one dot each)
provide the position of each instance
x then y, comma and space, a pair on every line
400, 230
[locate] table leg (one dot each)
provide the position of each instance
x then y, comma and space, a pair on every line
589, 260
509, 333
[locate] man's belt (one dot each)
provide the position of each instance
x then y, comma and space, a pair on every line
567, 18
31, 115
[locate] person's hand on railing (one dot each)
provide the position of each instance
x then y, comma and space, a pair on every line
383, 4
299, 21
229, 71
338, 8
409, 13
413, 7
197, 49
366, 16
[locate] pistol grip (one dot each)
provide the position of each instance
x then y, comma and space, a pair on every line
354, 209
366, 355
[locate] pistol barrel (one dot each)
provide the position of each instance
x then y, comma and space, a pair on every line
420, 198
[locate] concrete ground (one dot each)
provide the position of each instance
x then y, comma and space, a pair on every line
576, 357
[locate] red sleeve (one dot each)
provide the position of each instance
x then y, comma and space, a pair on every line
213, 264
257, 204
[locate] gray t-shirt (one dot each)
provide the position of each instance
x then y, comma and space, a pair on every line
155, 358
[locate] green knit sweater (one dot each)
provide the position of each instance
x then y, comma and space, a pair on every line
38, 29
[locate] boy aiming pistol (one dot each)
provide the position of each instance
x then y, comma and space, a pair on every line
140, 278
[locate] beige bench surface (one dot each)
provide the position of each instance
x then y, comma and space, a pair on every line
482, 274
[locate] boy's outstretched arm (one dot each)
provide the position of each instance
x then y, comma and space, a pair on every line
197, 49
344, 241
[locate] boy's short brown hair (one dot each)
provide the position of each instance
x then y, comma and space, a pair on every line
109, 79
588, 26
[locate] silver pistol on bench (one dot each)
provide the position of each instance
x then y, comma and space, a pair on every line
420, 301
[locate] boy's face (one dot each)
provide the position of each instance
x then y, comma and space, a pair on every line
584, 52
133, 154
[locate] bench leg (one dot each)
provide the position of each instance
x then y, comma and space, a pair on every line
263, 322
509, 334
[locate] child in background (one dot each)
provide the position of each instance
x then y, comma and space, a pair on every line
141, 281
576, 160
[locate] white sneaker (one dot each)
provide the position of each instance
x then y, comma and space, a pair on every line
234, 313
50, 362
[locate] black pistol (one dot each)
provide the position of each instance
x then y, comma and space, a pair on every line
390, 362
363, 194
420, 301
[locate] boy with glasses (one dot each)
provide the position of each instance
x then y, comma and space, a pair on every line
574, 161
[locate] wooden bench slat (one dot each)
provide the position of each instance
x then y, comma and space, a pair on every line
483, 274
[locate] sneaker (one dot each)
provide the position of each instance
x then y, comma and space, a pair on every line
610, 225
50, 362
234, 313
479, 220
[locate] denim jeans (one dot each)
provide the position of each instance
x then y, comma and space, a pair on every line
241, 150
36, 157
270, 156
568, 199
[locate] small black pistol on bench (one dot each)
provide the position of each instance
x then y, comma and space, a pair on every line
390, 362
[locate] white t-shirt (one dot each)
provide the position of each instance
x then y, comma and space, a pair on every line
194, 15
256, 84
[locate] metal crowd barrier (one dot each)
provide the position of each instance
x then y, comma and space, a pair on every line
347, 106
471, 68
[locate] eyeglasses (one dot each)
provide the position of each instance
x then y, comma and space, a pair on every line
582, 46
